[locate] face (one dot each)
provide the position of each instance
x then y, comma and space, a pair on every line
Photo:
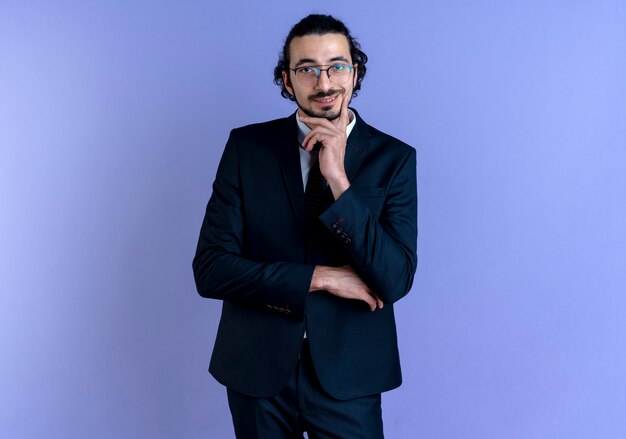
323, 99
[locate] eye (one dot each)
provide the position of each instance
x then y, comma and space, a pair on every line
306, 70
339, 67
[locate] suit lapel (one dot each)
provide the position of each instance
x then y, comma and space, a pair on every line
286, 141
358, 144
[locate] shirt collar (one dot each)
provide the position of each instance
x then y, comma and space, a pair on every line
303, 129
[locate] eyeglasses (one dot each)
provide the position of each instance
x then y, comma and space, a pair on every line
309, 75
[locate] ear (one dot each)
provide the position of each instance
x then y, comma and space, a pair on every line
287, 83
354, 78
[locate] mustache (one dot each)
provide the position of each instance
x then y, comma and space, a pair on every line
329, 93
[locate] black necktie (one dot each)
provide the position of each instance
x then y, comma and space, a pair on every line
315, 186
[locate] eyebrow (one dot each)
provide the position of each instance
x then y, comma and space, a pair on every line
312, 61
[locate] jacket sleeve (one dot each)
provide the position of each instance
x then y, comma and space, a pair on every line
222, 271
383, 249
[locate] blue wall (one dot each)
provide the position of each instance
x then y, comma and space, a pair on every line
113, 116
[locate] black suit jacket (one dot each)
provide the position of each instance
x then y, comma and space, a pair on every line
257, 254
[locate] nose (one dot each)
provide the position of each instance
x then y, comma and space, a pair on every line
323, 82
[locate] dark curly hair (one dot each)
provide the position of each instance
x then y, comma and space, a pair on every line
316, 24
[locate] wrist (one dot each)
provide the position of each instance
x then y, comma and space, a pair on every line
318, 280
339, 185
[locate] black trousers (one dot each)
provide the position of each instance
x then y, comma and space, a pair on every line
304, 406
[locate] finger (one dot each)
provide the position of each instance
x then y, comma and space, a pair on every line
318, 134
310, 141
318, 122
370, 299
344, 116
311, 120
371, 302
379, 302
309, 144
324, 131
365, 296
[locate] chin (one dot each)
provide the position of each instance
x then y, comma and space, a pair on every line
332, 116
329, 113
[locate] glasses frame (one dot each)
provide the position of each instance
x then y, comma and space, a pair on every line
318, 70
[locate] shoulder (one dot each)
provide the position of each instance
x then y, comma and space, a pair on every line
269, 128
250, 142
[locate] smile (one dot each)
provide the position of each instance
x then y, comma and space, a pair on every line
326, 101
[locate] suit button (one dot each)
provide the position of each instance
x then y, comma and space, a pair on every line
334, 226
347, 240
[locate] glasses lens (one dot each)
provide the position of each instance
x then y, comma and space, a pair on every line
339, 73
307, 76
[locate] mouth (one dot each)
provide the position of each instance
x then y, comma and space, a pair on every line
326, 101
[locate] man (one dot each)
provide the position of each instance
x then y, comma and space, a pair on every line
309, 238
